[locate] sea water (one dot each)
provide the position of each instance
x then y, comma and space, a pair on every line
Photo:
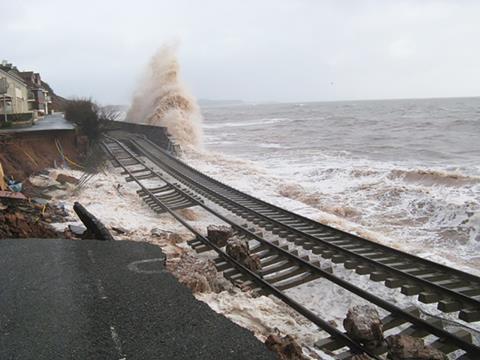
401, 172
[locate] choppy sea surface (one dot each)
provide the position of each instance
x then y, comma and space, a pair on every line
403, 172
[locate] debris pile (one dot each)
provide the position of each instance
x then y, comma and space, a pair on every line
285, 347
28, 220
240, 251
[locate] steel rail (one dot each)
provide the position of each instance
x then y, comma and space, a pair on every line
394, 310
310, 221
334, 332
425, 284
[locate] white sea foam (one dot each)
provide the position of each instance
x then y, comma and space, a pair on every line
365, 198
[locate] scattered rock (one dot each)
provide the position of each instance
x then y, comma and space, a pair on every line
404, 347
219, 234
364, 325
239, 250
62, 179
253, 262
285, 347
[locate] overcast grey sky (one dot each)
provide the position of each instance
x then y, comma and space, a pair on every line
263, 50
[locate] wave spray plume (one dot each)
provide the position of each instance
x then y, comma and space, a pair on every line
162, 99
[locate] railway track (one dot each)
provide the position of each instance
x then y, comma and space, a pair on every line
452, 290
281, 267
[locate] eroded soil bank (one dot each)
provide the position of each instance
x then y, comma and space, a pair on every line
24, 154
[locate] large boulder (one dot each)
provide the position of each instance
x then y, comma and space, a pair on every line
219, 234
285, 347
363, 324
404, 347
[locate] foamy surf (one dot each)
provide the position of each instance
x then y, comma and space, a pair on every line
416, 206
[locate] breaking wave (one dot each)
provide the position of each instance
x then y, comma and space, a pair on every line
162, 99
435, 177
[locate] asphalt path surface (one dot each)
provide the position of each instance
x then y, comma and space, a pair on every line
64, 299
49, 122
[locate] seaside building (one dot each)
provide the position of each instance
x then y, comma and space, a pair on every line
39, 98
26, 92
14, 98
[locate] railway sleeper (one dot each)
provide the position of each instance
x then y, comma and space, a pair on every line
363, 269
153, 190
305, 228
415, 271
469, 315
138, 171
274, 258
411, 289
428, 297
281, 265
449, 305
437, 278
394, 282
447, 348
297, 280
414, 331
160, 210
338, 258
129, 162
301, 241
469, 291
285, 274
350, 264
